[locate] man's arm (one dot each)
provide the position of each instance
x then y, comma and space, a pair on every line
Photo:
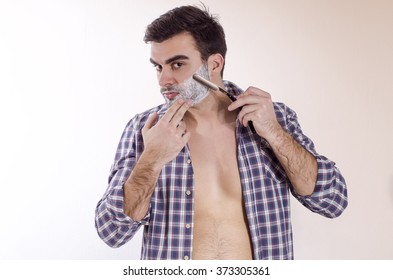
139, 187
317, 183
163, 141
134, 174
299, 165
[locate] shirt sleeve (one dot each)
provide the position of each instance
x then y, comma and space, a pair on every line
330, 196
113, 226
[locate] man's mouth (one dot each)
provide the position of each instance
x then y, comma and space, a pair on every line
170, 95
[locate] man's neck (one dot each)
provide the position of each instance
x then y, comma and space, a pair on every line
212, 110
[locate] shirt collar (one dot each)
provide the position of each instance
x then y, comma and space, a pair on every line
232, 88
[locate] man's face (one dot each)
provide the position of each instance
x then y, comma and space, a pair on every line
176, 60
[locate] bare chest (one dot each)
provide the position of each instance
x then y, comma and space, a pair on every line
214, 157
220, 227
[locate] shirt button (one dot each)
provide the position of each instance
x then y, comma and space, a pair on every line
188, 225
189, 161
188, 192
186, 258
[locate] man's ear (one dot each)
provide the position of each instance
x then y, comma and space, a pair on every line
216, 64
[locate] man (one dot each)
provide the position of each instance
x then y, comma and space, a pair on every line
191, 171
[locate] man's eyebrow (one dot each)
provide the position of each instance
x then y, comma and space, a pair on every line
172, 59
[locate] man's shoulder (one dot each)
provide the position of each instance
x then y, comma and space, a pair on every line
160, 109
284, 113
140, 118
280, 108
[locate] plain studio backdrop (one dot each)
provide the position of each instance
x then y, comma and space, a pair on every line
72, 73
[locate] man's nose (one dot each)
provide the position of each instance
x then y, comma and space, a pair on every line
166, 78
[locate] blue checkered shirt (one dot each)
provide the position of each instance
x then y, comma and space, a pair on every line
265, 186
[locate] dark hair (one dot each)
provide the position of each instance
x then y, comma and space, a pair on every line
208, 34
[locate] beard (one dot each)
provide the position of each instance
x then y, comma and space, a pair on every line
189, 90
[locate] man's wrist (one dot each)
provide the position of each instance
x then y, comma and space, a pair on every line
149, 160
274, 133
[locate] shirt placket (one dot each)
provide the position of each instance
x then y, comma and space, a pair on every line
189, 205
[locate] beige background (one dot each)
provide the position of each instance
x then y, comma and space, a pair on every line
72, 73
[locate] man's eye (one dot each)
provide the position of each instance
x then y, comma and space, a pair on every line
177, 65
157, 67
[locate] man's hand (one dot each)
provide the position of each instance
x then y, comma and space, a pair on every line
164, 140
257, 106
299, 164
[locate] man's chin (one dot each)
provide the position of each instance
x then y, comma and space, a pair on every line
199, 99
169, 102
194, 100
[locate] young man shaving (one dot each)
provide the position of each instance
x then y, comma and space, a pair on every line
194, 175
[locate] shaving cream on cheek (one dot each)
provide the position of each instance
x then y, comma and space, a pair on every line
194, 91
189, 90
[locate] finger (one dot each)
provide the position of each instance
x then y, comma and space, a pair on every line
247, 118
236, 104
151, 120
179, 114
255, 91
186, 136
249, 109
245, 100
172, 110
181, 125
181, 128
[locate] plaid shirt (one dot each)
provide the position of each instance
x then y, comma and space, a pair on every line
168, 225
